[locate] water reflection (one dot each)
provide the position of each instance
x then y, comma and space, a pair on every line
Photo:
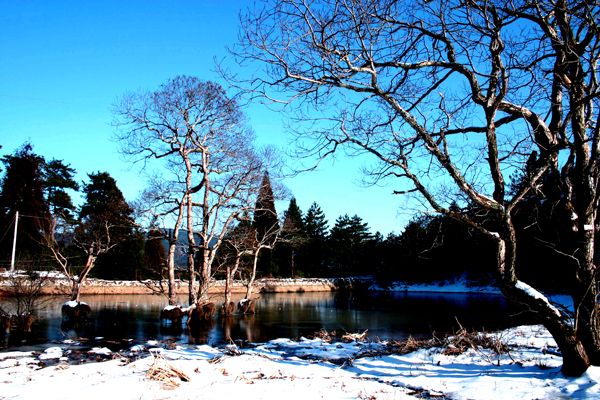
385, 315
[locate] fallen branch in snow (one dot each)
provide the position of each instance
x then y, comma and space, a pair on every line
355, 337
464, 340
411, 344
168, 375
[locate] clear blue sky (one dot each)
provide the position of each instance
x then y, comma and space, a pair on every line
64, 63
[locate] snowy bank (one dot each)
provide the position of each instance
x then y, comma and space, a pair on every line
309, 368
459, 285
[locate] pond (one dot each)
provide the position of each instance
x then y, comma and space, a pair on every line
118, 321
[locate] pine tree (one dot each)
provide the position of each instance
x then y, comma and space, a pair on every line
313, 254
293, 237
58, 177
266, 224
348, 239
105, 206
315, 223
155, 255
265, 215
22, 191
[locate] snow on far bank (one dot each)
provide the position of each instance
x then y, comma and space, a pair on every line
460, 285
306, 369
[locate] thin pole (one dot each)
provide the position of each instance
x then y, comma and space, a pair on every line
12, 260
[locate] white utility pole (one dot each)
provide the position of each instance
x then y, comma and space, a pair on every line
12, 260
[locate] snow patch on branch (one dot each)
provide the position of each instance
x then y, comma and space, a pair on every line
537, 295
73, 303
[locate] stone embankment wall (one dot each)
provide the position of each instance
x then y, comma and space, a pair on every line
58, 286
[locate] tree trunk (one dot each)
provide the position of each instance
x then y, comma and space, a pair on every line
587, 321
171, 295
89, 264
250, 284
204, 280
585, 295
228, 283
575, 358
230, 273
75, 289
190, 236
584, 181
192, 278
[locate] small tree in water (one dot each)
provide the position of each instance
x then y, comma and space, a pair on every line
104, 219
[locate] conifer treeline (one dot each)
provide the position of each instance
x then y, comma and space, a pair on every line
429, 248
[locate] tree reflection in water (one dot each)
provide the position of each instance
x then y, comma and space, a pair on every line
291, 315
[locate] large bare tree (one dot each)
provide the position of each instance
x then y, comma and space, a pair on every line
449, 97
206, 144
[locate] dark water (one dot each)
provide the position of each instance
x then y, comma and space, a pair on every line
118, 321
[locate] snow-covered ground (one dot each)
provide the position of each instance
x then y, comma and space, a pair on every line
307, 369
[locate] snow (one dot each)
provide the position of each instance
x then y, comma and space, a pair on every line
537, 295
101, 351
73, 303
308, 368
51, 353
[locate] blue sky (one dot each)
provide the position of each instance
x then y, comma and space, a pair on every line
64, 63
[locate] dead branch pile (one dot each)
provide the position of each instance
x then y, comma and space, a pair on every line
326, 336
355, 337
331, 336
464, 340
411, 344
168, 375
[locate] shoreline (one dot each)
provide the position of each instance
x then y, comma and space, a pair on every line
60, 286
56, 284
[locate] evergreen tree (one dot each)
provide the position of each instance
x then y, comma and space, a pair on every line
155, 255
266, 224
58, 177
265, 215
22, 191
348, 239
293, 237
546, 229
313, 254
105, 206
315, 223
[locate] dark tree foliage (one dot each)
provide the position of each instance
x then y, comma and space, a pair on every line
314, 253
22, 191
436, 248
58, 178
265, 215
105, 205
546, 233
348, 242
266, 224
292, 239
155, 255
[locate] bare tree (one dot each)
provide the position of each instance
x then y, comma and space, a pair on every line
91, 240
163, 202
201, 135
237, 245
448, 97
259, 242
